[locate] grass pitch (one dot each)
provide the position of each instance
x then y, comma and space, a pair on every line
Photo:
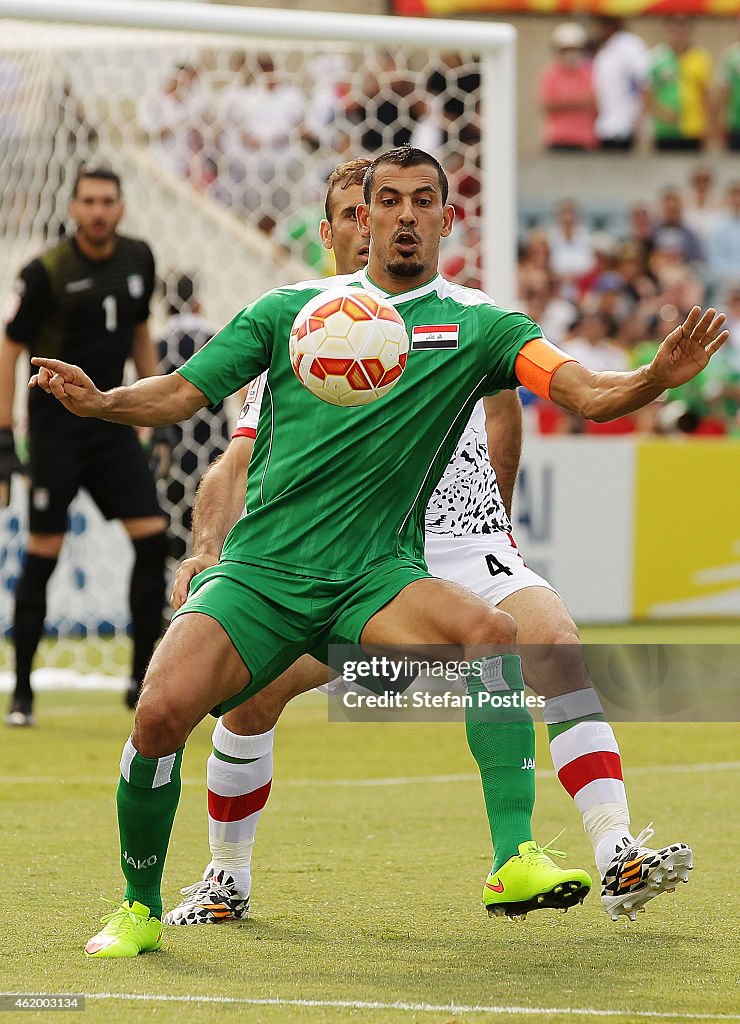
368, 871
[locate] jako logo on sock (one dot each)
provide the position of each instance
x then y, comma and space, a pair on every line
148, 863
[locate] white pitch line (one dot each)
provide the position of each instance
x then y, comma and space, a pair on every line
402, 780
358, 1004
543, 773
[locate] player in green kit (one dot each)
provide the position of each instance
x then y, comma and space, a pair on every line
332, 548
239, 770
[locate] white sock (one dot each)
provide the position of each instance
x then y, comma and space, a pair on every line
237, 793
608, 826
586, 756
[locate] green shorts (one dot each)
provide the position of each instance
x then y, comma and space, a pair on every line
273, 616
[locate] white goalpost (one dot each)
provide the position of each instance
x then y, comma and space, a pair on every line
224, 123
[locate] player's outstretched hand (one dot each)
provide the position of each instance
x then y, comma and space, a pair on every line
688, 349
188, 568
68, 384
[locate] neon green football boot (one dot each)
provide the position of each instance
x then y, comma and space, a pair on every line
128, 931
530, 881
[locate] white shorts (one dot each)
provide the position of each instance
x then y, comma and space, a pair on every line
488, 564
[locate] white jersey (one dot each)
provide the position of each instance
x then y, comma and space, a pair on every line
467, 499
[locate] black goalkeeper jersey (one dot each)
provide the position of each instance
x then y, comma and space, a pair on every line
85, 312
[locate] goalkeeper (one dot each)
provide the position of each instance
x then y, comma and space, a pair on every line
86, 298
358, 574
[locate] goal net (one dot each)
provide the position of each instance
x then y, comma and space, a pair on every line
224, 141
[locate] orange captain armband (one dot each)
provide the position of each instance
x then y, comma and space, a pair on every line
536, 364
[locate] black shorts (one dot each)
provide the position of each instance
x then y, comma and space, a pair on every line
107, 460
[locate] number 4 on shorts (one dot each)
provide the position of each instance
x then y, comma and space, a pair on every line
495, 567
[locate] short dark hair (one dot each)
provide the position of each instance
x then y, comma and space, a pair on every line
405, 156
97, 174
352, 172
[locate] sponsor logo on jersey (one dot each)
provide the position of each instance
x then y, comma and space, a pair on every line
83, 285
135, 285
253, 393
435, 336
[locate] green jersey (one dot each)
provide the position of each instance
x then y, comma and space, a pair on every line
332, 490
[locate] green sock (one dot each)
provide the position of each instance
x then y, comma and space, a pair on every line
501, 739
147, 798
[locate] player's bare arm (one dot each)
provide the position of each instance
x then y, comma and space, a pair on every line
143, 352
9, 353
219, 501
152, 402
504, 434
605, 396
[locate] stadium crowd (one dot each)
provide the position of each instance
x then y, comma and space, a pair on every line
609, 296
604, 287
601, 90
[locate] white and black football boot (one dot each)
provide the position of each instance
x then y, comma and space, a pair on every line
638, 873
213, 900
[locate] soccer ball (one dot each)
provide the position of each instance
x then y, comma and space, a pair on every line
348, 347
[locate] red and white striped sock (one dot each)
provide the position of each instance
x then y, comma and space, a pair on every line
239, 781
586, 757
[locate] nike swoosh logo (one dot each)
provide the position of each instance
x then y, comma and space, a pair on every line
496, 888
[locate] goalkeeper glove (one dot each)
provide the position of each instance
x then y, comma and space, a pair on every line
9, 464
